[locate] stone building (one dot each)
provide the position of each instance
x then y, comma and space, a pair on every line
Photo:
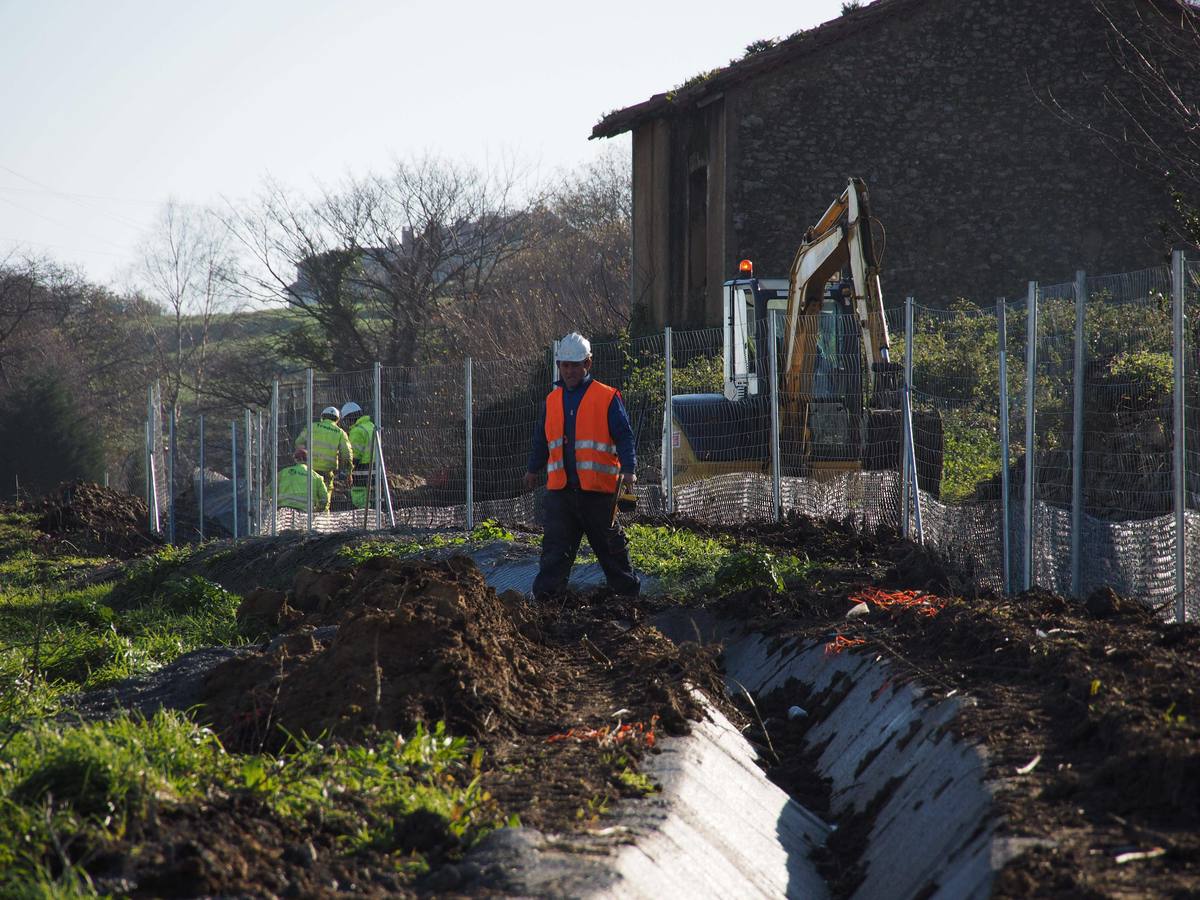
952, 112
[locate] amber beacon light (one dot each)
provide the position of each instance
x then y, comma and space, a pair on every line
745, 267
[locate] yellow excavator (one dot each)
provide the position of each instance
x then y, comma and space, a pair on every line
839, 405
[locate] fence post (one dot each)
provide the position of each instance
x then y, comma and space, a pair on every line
377, 411
1077, 440
308, 419
149, 480
387, 490
247, 452
776, 467
1031, 326
668, 460
274, 457
200, 486
553, 363
911, 452
1005, 500
259, 468
906, 436
1177, 295
151, 468
233, 474
171, 479
468, 421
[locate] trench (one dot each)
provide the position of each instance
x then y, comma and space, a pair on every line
720, 828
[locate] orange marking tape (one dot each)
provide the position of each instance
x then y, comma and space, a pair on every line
840, 643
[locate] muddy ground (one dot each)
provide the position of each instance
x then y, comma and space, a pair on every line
1088, 711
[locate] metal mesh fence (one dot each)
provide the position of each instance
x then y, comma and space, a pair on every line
825, 438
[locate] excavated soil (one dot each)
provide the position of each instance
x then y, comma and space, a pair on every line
96, 520
388, 644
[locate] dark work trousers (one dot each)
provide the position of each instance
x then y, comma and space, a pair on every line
571, 513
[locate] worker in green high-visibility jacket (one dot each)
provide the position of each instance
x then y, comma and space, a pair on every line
328, 447
362, 444
293, 486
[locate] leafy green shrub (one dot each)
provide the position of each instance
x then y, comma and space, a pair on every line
746, 569
490, 530
1156, 371
195, 592
675, 556
972, 455
683, 560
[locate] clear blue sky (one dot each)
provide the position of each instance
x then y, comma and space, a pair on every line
112, 107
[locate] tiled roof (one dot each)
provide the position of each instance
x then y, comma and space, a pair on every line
754, 64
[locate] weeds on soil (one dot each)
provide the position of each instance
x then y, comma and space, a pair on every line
684, 561
68, 793
487, 530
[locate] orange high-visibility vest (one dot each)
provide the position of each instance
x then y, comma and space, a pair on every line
596, 460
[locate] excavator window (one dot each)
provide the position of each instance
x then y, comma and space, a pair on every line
750, 321
741, 344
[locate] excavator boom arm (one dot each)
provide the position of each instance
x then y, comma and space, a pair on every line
840, 240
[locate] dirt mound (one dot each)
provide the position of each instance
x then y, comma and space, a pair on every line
96, 519
415, 642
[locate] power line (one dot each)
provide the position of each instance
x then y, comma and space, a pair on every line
19, 242
54, 221
84, 200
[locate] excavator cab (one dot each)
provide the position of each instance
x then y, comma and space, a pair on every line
835, 405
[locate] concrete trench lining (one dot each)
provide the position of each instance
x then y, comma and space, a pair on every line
884, 742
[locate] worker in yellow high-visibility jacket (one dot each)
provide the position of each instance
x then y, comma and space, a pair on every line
328, 447
362, 443
292, 490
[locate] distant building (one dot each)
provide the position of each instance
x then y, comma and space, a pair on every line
436, 257
944, 107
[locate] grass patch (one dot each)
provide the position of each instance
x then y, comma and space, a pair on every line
682, 560
485, 531
67, 791
28, 558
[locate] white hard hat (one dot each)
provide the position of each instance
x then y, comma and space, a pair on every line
573, 348
331, 411
350, 409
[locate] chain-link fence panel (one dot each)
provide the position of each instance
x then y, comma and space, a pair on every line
820, 432
423, 430
956, 420
509, 397
720, 442
1191, 296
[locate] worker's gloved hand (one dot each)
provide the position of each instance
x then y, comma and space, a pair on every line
626, 498
530, 481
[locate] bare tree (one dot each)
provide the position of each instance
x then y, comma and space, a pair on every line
185, 272
1156, 45
576, 275
35, 295
382, 267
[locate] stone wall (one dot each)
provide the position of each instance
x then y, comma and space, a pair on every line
944, 112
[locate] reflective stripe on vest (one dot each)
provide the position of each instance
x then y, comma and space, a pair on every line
596, 462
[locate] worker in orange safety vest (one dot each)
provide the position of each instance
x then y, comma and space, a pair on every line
585, 443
